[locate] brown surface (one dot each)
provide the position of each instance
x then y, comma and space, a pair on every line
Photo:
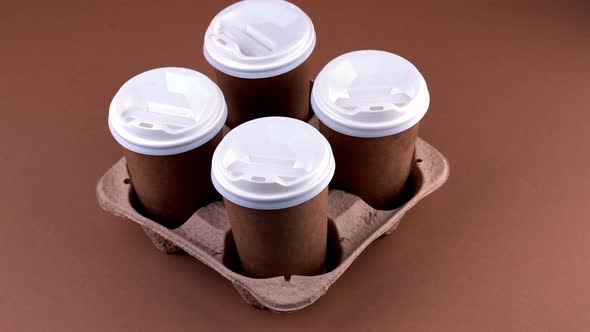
281, 242
504, 245
171, 188
376, 168
282, 95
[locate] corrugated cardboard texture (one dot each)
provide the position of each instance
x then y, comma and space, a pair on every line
353, 225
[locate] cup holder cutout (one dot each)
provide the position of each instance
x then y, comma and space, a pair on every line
136, 204
334, 250
413, 185
230, 253
415, 181
139, 208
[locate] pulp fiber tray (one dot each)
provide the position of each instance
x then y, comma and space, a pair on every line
352, 226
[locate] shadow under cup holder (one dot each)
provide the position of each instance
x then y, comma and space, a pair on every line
352, 226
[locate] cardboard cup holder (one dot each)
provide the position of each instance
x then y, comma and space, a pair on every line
206, 236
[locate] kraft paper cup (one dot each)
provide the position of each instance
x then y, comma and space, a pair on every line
169, 121
369, 104
259, 49
273, 174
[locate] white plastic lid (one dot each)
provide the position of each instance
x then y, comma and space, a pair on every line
272, 163
259, 38
167, 111
370, 94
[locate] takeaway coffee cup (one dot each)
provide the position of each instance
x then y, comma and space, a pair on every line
259, 49
169, 122
273, 174
369, 104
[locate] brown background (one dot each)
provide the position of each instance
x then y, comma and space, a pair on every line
504, 246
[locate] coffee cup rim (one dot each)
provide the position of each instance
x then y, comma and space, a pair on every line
393, 120
297, 165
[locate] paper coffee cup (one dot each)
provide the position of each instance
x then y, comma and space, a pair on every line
169, 121
259, 49
369, 104
273, 174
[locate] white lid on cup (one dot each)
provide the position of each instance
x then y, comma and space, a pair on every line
272, 163
259, 39
370, 94
167, 111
